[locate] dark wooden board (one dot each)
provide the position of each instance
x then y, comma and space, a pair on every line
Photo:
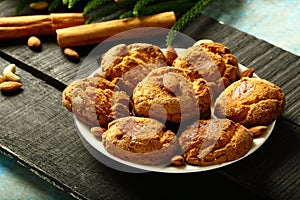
38, 131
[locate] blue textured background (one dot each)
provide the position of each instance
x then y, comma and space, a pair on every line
276, 22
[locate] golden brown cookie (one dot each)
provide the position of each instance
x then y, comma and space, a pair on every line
131, 63
95, 101
140, 140
214, 141
212, 61
250, 102
130, 79
168, 94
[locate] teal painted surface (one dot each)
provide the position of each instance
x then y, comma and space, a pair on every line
276, 22
17, 182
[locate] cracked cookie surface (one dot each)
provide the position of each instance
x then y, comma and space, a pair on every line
140, 140
214, 141
95, 101
168, 94
250, 102
212, 61
126, 65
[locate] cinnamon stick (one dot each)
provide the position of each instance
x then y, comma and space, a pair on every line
97, 32
24, 26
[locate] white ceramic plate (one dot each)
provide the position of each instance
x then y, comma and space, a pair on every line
96, 148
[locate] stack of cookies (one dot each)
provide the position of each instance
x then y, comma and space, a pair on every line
193, 106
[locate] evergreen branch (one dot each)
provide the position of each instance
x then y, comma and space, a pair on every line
94, 4
126, 14
54, 5
72, 3
141, 4
65, 2
108, 11
126, 4
21, 6
186, 19
166, 6
132, 8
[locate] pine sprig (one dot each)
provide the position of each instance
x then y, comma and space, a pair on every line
186, 19
127, 4
126, 14
166, 6
54, 5
111, 10
72, 3
94, 4
141, 4
65, 2
22, 5
132, 8
108, 11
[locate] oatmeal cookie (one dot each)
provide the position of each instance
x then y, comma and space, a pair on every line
95, 101
250, 102
129, 64
168, 94
212, 61
214, 141
140, 140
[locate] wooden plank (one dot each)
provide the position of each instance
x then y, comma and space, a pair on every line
272, 169
38, 131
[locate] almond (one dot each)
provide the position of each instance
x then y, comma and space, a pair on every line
170, 82
10, 86
40, 5
97, 131
34, 42
247, 73
71, 54
177, 160
170, 55
2, 79
258, 130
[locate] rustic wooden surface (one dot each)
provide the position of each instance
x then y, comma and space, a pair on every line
40, 133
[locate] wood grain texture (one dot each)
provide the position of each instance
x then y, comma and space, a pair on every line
41, 134
270, 62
